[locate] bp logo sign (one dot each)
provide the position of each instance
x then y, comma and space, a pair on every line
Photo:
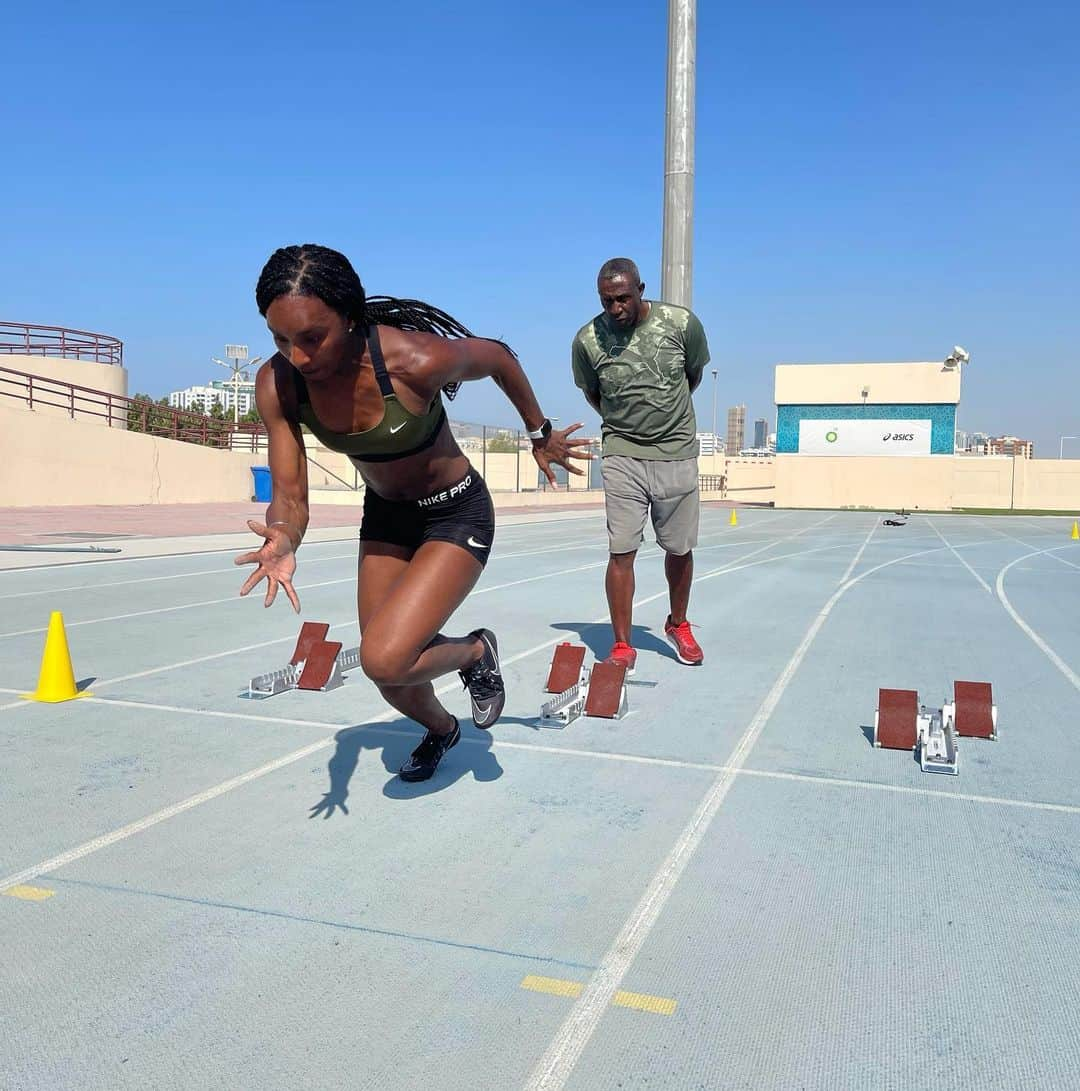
830, 437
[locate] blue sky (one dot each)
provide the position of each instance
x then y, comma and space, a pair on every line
871, 183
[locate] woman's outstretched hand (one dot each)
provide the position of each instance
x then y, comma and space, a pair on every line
277, 563
558, 450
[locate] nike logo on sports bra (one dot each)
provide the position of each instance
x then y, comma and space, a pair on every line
398, 428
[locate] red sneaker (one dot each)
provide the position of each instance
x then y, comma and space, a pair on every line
682, 640
623, 654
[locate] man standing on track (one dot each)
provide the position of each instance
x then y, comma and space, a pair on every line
638, 362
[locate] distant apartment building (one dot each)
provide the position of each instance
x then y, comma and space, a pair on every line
201, 398
980, 443
1010, 445
708, 444
761, 433
736, 429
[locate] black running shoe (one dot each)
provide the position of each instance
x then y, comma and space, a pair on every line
484, 682
426, 757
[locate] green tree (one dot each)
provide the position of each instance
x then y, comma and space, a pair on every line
503, 443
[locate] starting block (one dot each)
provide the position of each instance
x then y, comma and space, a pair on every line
896, 719
580, 691
606, 696
902, 723
567, 668
976, 713
316, 664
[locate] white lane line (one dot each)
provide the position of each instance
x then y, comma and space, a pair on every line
982, 583
156, 579
562, 1055
325, 583
903, 789
497, 744
89, 847
862, 549
1041, 644
234, 597
157, 556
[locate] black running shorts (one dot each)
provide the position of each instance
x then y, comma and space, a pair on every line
461, 514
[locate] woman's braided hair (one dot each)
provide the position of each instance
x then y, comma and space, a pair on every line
318, 271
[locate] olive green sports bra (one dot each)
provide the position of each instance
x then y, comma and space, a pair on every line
397, 435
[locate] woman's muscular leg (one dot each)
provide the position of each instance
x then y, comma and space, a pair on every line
404, 598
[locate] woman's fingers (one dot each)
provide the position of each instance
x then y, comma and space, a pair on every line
253, 580
291, 592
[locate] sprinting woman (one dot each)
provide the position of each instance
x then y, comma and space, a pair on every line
366, 376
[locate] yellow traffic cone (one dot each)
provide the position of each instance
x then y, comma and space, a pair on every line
57, 679
733, 521
1076, 531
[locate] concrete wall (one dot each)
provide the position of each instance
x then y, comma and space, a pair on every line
47, 460
937, 482
51, 378
842, 384
751, 480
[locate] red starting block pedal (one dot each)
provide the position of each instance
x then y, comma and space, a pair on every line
976, 713
565, 667
311, 633
607, 691
319, 664
896, 719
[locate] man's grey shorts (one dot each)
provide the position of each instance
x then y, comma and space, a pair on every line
668, 491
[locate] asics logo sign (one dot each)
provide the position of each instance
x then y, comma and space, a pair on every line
898, 437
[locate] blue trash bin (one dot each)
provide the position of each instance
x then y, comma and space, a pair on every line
264, 488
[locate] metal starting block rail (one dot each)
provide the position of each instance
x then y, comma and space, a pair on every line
565, 708
316, 664
902, 723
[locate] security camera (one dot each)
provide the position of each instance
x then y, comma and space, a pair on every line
957, 357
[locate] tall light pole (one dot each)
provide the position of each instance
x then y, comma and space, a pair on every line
714, 374
677, 267
238, 365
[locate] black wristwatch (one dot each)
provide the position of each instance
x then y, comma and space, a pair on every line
542, 432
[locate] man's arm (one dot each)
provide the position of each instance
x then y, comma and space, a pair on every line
585, 375
696, 349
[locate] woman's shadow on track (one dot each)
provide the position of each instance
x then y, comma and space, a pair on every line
397, 740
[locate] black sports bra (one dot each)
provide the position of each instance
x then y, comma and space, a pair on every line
397, 435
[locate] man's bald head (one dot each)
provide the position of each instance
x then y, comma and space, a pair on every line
619, 267
620, 287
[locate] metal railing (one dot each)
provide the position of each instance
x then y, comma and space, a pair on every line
134, 414
24, 339
491, 450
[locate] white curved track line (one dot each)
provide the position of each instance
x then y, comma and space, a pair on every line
1041, 644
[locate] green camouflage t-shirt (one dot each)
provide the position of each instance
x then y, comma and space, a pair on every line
642, 378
